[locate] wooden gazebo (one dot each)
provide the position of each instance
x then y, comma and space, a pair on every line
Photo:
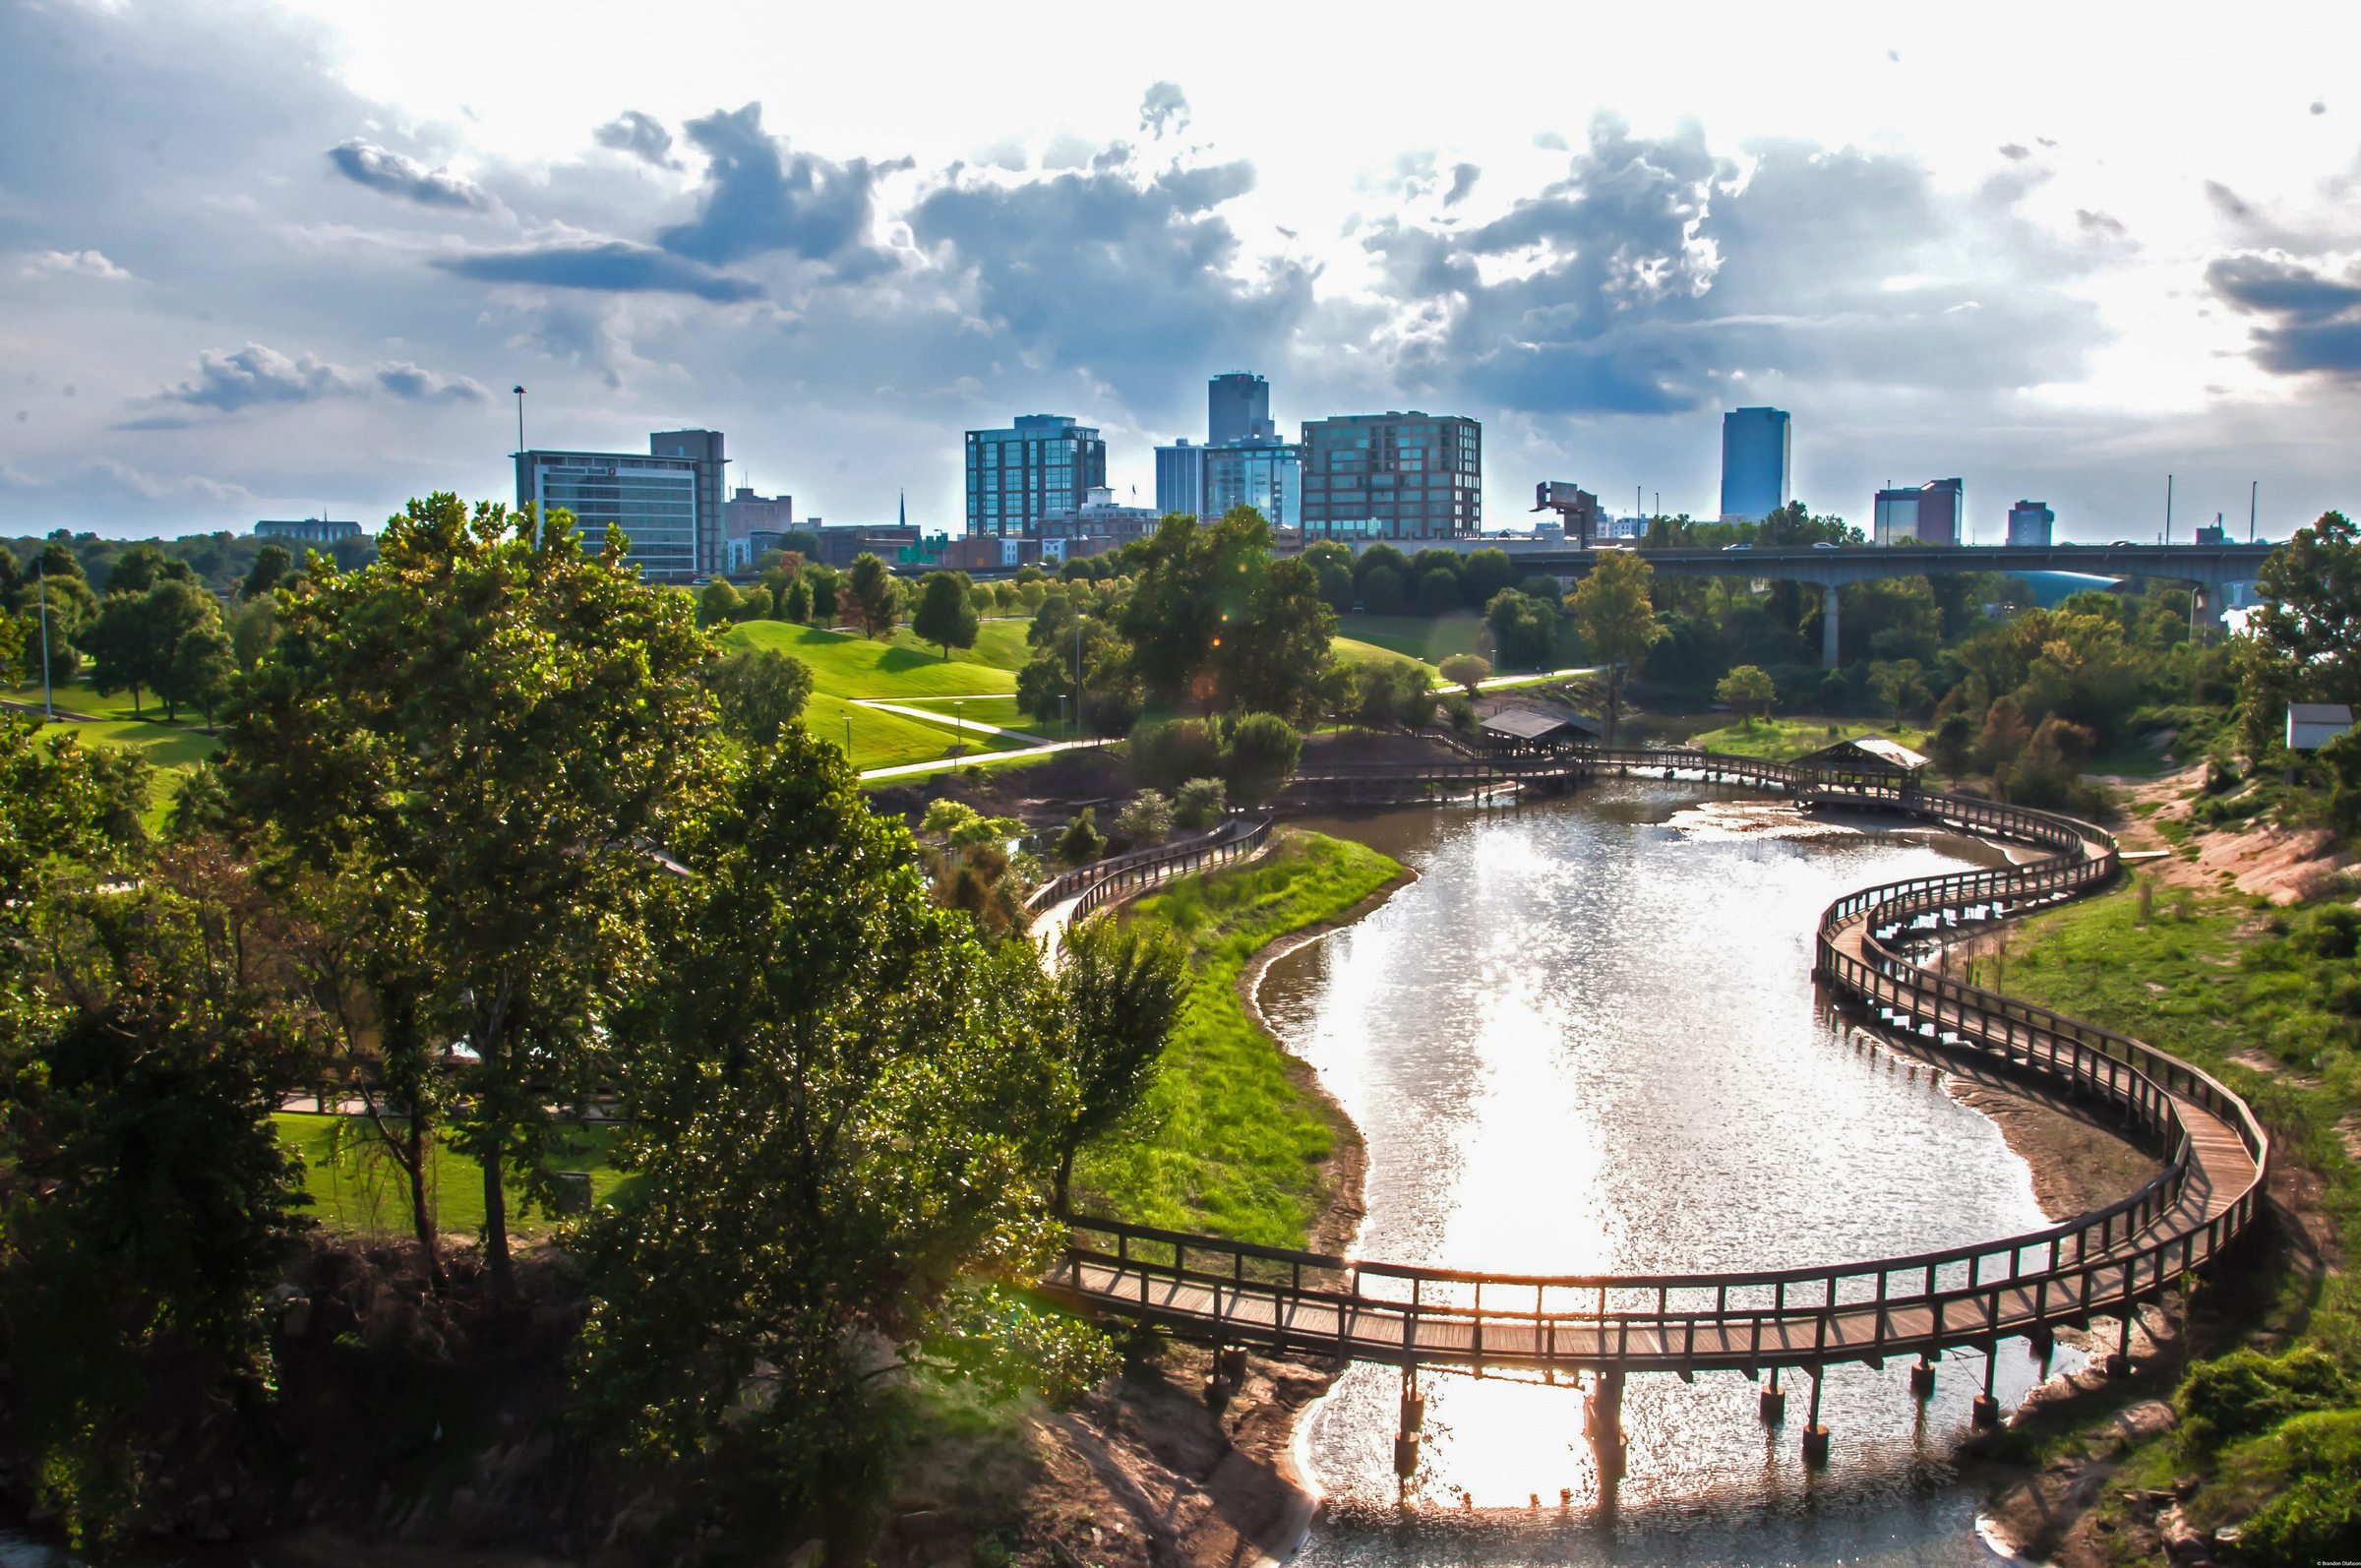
1866, 763
1523, 732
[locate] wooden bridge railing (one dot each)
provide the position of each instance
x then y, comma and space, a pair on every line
2105, 1261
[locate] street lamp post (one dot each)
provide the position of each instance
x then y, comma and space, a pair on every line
40, 575
520, 390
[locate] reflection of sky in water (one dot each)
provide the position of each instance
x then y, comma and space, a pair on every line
1586, 1041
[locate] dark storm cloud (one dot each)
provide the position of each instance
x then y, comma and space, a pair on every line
1164, 107
614, 266
1131, 280
2315, 318
760, 197
367, 163
639, 134
1463, 183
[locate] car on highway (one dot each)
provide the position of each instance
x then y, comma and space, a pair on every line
1727, 548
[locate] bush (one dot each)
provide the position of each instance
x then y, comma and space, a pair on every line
1082, 842
1202, 803
1467, 671
1461, 713
1951, 743
1259, 754
1147, 819
2318, 1517
2248, 1392
1381, 591
1167, 755
1438, 592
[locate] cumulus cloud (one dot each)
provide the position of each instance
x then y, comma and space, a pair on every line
639, 134
1463, 183
79, 264
615, 266
229, 383
367, 163
760, 197
255, 375
1164, 108
414, 383
2015, 151
2314, 317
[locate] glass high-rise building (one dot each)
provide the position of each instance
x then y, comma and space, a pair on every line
1393, 476
1237, 407
2031, 521
1267, 475
1180, 479
1040, 465
668, 502
1932, 513
1756, 458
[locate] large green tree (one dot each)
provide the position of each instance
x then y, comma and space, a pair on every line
1215, 622
877, 598
838, 1101
944, 615
2303, 641
1611, 606
1124, 985
503, 724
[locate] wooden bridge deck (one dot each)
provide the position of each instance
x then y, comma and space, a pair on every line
1210, 1288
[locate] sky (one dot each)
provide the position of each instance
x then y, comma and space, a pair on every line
265, 260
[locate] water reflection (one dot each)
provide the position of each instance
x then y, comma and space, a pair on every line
1586, 1039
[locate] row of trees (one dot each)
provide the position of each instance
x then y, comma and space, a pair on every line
424, 866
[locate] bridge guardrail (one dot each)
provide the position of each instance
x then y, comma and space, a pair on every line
2104, 1259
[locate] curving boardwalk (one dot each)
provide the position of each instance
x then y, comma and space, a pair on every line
2104, 1262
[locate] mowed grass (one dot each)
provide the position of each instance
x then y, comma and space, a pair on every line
888, 740
171, 748
1429, 638
847, 664
1239, 1138
1351, 650
1002, 711
356, 1189
1782, 740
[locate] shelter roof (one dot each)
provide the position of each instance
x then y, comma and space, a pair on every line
1866, 751
1525, 724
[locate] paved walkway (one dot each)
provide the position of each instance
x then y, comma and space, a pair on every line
912, 769
932, 717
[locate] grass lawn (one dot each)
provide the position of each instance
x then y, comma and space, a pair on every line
1432, 639
1002, 711
887, 740
356, 1187
1239, 1141
846, 664
1351, 650
1782, 740
172, 748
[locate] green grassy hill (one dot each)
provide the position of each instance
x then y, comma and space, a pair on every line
846, 664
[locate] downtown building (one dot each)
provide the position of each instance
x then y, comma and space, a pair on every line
2032, 522
1757, 462
1019, 475
668, 502
1242, 463
1935, 513
1392, 476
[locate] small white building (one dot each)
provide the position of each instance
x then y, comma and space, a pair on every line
2312, 725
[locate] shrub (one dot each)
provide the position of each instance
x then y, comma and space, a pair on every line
1166, 755
1082, 842
1258, 755
1202, 803
2248, 1392
1147, 819
1381, 591
1467, 671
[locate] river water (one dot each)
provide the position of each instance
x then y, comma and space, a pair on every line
1585, 1040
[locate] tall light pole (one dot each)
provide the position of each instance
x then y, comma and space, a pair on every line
520, 390
1077, 673
2254, 499
2168, 509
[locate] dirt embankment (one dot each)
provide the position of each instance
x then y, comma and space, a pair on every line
2284, 865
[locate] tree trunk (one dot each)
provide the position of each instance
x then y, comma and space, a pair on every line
1615, 699
415, 1155
496, 1227
1066, 1173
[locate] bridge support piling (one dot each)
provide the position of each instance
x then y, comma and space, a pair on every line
2119, 1364
1773, 1402
1602, 1422
1815, 1436
1986, 1409
1828, 626
1922, 1379
1414, 1417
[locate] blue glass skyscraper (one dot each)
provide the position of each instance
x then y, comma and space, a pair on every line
1755, 463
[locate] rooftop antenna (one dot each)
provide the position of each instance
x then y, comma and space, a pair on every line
2168, 509
2254, 498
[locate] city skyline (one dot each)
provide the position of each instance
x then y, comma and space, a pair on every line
1965, 263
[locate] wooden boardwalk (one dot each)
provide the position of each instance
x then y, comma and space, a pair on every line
1223, 1291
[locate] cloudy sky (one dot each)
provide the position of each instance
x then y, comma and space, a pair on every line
258, 260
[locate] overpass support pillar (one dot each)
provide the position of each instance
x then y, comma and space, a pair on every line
1828, 626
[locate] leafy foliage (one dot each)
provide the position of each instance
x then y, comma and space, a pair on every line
759, 691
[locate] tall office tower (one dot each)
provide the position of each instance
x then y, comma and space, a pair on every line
1267, 475
668, 502
1180, 479
1237, 407
1757, 457
703, 448
1932, 513
2029, 523
1042, 464
1393, 476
